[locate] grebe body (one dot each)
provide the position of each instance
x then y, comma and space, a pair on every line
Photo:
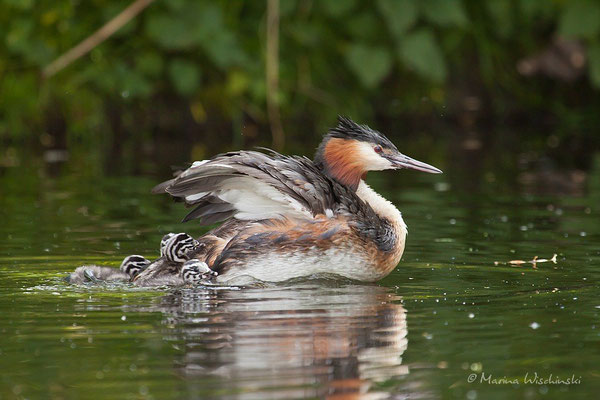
288, 217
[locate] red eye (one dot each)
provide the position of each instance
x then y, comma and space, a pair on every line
377, 149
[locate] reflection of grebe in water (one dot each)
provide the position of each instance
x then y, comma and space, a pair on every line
299, 342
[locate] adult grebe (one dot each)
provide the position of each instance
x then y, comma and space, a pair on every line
288, 217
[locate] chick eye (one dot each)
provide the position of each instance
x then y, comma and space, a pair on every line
377, 149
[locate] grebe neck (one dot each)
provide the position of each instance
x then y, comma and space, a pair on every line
382, 207
340, 159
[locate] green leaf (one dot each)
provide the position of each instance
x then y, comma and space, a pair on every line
149, 63
134, 85
337, 8
444, 12
420, 52
594, 64
502, 15
184, 75
22, 39
176, 4
363, 26
198, 24
19, 4
169, 32
399, 15
286, 7
370, 64
306, 33
223, 49
580, 19
539, 12
183, 28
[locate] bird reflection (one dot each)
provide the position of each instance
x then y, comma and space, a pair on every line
303, 341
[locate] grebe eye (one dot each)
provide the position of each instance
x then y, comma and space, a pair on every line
377, 149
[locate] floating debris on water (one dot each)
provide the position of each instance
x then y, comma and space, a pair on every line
533, 262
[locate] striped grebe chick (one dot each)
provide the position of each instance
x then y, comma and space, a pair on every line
134, 264
174, 267
178, 247
287, 216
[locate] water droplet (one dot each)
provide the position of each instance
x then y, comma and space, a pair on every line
534, 325
476, 367
441, 187
471, 315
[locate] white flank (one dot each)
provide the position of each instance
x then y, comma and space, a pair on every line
278, 267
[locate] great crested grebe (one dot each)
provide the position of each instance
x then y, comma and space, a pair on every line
287, 216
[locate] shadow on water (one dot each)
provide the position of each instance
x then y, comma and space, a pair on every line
312, 340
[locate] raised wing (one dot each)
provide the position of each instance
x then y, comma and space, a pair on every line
250, 185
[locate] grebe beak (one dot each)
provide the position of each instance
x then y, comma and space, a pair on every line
399, 161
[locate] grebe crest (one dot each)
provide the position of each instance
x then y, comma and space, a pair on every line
349, 151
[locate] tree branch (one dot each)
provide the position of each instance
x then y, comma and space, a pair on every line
96, 38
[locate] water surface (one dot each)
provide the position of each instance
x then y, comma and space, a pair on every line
446, 313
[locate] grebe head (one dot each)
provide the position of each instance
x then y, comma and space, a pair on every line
350, 150
175, 247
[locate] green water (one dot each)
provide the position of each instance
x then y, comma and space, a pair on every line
445, 313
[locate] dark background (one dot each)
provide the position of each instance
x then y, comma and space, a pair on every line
510, 85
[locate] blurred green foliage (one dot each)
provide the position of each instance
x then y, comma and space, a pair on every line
197, 66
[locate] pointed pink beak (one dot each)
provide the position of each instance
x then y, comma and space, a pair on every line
400, 161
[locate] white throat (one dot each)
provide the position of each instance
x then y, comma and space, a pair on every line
382, 207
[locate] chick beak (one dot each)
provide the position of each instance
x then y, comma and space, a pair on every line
399, 161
